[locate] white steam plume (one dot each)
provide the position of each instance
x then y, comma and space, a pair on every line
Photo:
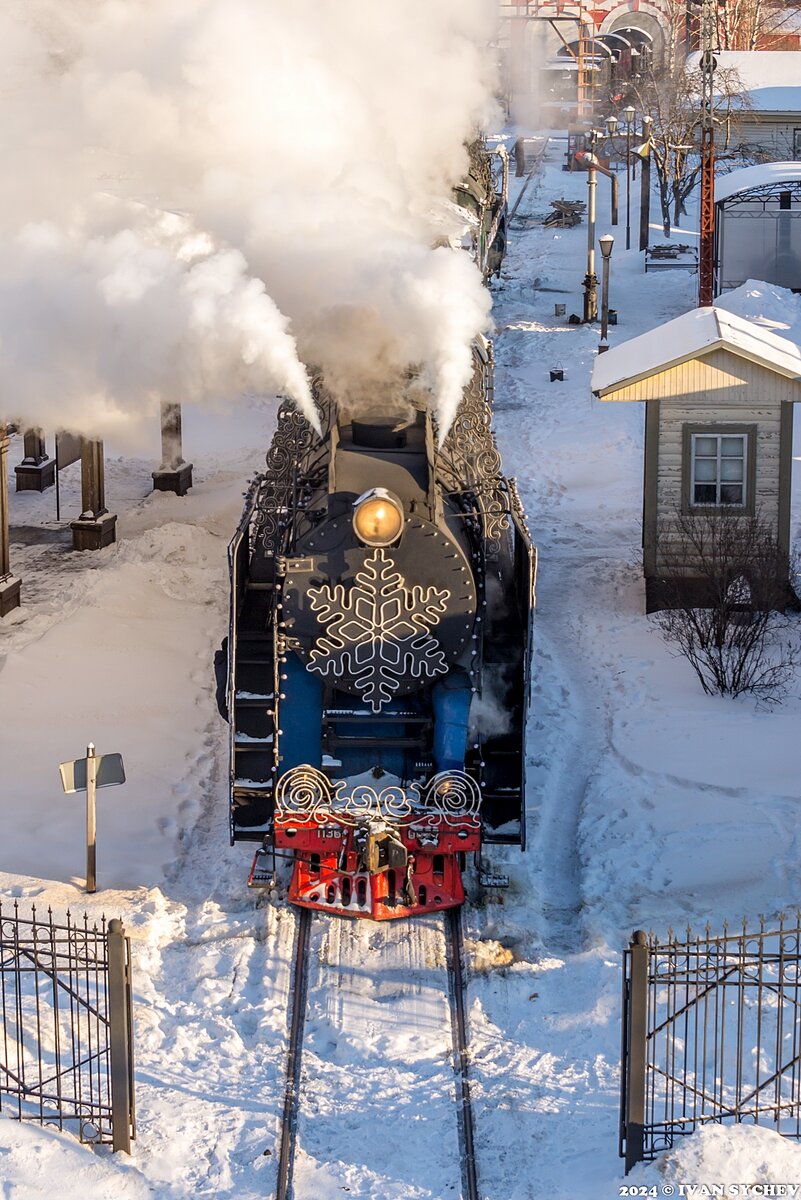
314, 144
99, 329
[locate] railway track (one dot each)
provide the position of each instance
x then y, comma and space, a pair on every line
459, 1052
539, 158
297, 1021
459, 1032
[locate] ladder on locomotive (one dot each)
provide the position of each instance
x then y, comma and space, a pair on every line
253, 716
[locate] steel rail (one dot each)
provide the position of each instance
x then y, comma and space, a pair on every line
538, 161
456, 989
289, 1120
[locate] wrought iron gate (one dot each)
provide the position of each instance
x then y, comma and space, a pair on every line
711, 1032
65, 1001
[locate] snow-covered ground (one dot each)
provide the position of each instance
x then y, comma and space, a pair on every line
650, 804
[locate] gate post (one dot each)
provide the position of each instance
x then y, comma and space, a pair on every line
9, 585
120, 1037
174, 475
96, 527
637, 1017
37, 470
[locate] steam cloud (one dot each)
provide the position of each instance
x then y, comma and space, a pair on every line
203, 195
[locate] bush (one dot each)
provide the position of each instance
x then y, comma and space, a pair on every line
731, 624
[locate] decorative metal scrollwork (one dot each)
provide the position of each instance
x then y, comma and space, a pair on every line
469, 461
306, 794
289, 460
453, 794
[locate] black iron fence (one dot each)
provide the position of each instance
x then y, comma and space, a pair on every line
711, 1032
65, 1001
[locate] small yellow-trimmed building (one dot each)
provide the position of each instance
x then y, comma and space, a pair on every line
718, 393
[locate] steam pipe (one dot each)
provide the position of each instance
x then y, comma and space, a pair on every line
584, 157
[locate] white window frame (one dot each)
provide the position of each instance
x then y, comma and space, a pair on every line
718, 435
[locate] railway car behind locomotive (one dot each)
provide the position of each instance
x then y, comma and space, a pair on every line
377, 669
483, 195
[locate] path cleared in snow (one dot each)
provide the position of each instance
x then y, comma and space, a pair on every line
377, 1056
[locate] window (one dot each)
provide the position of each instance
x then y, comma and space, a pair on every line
718, 469
797, 144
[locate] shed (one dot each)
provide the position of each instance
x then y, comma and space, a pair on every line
769, 125
758, 226
718, 392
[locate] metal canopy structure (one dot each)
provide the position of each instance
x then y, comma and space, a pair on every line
758, 227
762, 195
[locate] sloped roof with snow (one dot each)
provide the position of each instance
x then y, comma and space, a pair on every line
692, 335
758, 176
772, 78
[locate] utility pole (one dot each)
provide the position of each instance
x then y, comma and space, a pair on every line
644, 154
590, 279
706, 261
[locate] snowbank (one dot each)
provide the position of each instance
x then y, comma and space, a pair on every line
742, 1157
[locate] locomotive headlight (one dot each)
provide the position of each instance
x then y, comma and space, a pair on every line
378, 518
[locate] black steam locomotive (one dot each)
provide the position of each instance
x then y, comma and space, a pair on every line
376, 676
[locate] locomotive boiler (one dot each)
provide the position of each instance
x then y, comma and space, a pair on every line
377, 669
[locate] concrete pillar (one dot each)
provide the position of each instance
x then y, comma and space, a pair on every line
37, 470
96, 527
174, 475
9, 585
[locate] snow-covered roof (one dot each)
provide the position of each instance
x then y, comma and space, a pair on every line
751, 177
785, 99
692, 335
772, 78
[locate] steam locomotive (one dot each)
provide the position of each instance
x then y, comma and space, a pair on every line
377, 669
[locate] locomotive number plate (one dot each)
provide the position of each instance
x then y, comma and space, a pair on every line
493, 879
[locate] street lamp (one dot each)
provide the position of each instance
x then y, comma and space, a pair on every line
628, 116
606, 243
611, 124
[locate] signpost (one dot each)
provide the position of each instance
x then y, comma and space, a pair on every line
88, 774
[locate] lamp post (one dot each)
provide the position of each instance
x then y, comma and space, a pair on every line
628, 115
606, 243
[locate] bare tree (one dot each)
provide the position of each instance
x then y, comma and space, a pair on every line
730, 621
741, 25
672, 99
753, 24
